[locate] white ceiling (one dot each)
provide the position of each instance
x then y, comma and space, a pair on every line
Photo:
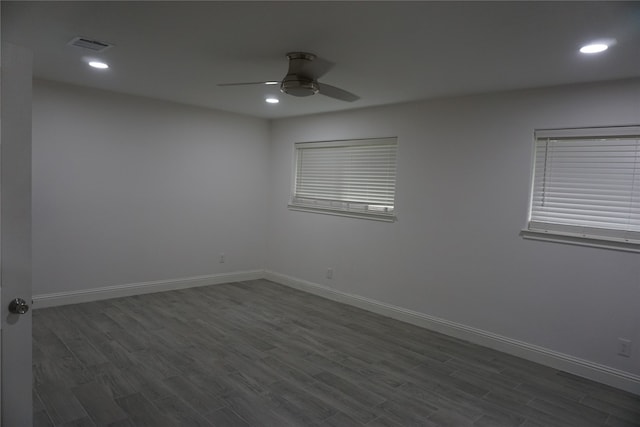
385, 52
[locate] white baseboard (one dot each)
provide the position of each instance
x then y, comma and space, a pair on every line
564, 362
117, 291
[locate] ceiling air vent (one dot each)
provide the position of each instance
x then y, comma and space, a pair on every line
93, 45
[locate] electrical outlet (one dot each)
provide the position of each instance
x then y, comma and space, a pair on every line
624, 347
221, 259
329, 273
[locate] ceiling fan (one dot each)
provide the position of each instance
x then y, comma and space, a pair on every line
302, 78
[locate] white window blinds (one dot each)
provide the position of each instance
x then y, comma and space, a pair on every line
356, 178
586, 183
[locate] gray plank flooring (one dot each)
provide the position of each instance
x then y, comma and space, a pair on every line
260, 354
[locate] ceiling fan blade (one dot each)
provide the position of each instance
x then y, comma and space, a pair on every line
319, 67
268, 82
337, 93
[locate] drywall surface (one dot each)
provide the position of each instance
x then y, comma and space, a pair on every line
455, 252
130, 190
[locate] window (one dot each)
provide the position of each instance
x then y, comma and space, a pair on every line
353, 178
586, 186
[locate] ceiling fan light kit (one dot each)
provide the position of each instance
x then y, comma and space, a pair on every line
297, 86
302, 79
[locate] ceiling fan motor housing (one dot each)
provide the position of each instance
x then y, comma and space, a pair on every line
299, 80
299, 86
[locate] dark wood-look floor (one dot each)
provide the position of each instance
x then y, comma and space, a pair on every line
260, 354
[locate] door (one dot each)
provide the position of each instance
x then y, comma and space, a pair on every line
15, 235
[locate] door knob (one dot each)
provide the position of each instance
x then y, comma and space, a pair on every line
18, 306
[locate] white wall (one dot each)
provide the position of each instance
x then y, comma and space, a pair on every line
462, 194
129, 190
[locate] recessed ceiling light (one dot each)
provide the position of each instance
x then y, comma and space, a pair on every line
594, 48
98, 64
272, 100
271, 83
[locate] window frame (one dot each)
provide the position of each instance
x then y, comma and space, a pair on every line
608, 238
353, 209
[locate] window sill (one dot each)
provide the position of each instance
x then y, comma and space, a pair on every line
619, 244
361, 215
